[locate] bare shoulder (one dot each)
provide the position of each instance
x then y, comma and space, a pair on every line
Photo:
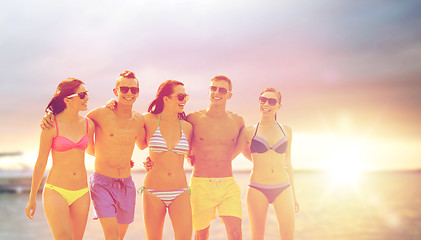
193, 116
287, 129
49, 132
147, 116
138, 117
186, 125
237, 117
97, 112
249, 130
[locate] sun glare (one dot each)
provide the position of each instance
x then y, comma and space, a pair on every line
345, 165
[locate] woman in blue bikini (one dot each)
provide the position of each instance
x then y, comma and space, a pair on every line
268, 146
165, 186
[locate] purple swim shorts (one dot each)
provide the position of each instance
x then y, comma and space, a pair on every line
113, 197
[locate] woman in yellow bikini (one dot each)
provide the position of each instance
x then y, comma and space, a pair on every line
268, 146
165, 185
66, 194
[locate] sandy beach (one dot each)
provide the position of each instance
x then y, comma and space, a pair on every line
379, 206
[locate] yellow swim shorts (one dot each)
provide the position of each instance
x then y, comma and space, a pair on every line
211, 194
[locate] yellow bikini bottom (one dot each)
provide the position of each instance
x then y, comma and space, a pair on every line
69, 195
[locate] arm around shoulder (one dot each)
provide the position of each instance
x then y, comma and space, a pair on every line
91, 131
141, 135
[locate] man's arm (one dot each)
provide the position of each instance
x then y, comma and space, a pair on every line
91, 131
242, 144
190, 155
93, 116
47, 121
141, 135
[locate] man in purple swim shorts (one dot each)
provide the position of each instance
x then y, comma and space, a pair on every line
113, 197
116, 132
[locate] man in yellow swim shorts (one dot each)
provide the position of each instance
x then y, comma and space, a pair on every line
213, 188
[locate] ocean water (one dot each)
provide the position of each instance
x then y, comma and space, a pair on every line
384, 206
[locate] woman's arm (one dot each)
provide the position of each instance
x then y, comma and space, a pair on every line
91, 131
289, 167
39, 169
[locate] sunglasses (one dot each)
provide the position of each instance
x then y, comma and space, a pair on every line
271, 101
81, 95
181, 96
134, 90
220, 90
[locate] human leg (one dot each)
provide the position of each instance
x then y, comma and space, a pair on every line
181, 217
233, 227
79, 211
122, 229
203, 200
110, 228
202, 234
154, 211
57, 213
229, 208
114, 203
257, 205
284, 210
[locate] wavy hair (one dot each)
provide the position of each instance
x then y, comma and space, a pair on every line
65, 88
165, 89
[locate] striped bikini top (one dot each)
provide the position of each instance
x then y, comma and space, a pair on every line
157, 142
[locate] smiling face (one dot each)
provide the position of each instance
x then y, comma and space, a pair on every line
266, 103
219, 92
129, 97
74, 101
173, 100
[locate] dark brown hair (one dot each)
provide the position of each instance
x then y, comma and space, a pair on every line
165, 89
65, 88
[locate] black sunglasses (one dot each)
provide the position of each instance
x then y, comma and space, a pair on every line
181, 96
81, 95
220, 90
125, 90
271, 101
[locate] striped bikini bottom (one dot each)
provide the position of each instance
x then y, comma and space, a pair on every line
167, 197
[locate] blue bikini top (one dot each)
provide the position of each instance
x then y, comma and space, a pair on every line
260, 145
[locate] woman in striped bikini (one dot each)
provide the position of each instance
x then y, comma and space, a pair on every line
165, 186
268, 146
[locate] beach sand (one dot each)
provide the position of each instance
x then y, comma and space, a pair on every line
379, 206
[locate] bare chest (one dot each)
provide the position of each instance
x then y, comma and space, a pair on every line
216, 132
121, 130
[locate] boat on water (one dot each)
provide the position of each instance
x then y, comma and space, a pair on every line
16, 173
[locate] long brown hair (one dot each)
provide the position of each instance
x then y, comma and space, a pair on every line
165, 89
65, 88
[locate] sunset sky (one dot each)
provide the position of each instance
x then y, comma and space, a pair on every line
349, 71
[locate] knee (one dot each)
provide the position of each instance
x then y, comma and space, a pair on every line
287, 236
236, 234
63, 235
112, 235
201, 234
